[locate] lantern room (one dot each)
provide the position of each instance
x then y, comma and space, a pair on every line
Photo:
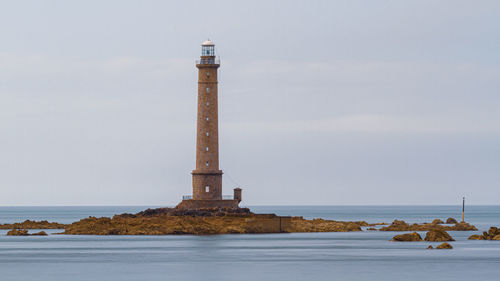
208, 49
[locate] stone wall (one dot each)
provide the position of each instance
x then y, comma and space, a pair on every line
269, 223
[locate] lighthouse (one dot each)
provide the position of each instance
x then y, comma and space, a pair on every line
207, 177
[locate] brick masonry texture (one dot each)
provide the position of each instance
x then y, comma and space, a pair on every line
207, 178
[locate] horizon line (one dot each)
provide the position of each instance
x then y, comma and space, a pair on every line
278, 205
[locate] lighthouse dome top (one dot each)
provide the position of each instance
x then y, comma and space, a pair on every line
208, 43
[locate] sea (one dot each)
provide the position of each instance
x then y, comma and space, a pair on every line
367, 255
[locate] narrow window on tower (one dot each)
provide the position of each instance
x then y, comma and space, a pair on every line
207, 134
208, 90
208, 103
207, 188
207, 118
206, 163
206, 148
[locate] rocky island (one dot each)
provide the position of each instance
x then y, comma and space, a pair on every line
171, 221
165, 221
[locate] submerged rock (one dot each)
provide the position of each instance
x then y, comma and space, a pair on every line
476, 237
462, 226
451, 221
438, 235
398, 225
430, 247
24, 232
407, 237
29, 224
18, 232
444, 246
492, 234
437, 221
493, 231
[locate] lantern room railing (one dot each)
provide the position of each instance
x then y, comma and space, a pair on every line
224, 197
208, 61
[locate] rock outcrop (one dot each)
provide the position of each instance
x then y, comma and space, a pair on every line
437, 221
476, 237
167, 221
451, 221
444, 246
492, 234
29, 224
407, 237
298, 224
438, 235
461, 226
17, 232
430, 247
398, 225
24, 232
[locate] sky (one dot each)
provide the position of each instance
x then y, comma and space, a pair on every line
320, 102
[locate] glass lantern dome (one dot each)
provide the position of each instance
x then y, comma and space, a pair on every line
208, 49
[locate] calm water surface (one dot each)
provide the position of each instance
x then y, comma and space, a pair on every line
296, 256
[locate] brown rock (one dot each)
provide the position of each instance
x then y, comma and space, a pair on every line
492, 234
407, 237
403, 226
462, 226
430, 247
18, 232
438, 235
24, 232
396, 225
451, 221
444, 246
321, 225
476, 237
437, 221
493, 231
28, 224
400, 223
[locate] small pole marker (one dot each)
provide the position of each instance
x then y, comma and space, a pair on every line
463, 210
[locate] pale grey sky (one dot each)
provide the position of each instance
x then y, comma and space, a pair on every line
321, 102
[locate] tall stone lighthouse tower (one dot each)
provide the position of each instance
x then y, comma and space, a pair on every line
207, 178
